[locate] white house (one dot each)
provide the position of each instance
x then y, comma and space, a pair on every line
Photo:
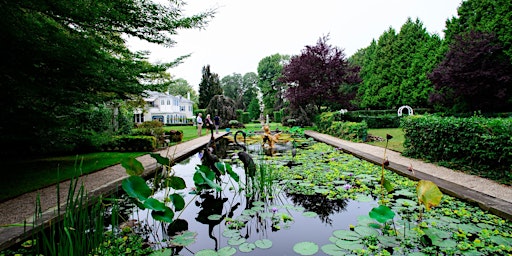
167, 108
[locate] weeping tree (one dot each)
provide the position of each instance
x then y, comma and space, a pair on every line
224, 107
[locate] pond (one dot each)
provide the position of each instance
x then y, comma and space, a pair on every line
322, 202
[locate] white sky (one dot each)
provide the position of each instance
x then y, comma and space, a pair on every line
245, 31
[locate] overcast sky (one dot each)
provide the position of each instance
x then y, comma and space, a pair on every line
245, 31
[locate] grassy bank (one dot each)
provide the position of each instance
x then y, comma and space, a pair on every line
395, 144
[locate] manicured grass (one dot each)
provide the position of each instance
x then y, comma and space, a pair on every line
395, 144
189, 131
28, 175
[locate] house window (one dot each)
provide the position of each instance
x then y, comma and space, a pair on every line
168, 102
182, 108
162, 102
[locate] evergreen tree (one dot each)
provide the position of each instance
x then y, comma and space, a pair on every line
209, 87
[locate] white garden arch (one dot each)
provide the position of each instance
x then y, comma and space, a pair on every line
409, 109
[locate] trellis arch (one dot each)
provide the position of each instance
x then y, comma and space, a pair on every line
409, 109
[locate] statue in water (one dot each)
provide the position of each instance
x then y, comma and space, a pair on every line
268, 138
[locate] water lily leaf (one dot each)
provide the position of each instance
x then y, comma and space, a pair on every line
206, 252
322, 191
226, 251
332, 249
247, 247
257, 208
350, 245
472, 253
404, 192
363, 198
417, 254
366, 231
428, 194
154, 204
184, 238
249, 212
136, 187
501, 240
263, 243
160, 159
467, 228
165, 216
447, 243
346, 235
258, 203
382, 214
176, 182
388, 241
163, 252
229, 233
364, 220
215, 217
309, 214
236, 241
178, 201
305, 248
133, 166
406, 202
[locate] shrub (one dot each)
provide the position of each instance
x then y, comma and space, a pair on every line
482, 145
174, 135
349, 130
132, 143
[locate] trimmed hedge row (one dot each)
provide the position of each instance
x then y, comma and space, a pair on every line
483, 145
131, 143
346, 130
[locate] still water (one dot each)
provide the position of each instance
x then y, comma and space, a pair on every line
233, 204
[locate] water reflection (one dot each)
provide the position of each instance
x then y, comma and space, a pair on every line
319, 204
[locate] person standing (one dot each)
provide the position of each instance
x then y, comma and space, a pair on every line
208, 122
199, 122
216, 122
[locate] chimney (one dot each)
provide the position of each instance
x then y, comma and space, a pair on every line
188, 95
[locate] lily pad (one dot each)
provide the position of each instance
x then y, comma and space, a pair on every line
263, 243
247, 247
215, 217
226, 251
332, 249
309, 214
350, 245
206, 252
305, 248
236, 241
229, 233
382, 214
184, 238
346, 235
366, 231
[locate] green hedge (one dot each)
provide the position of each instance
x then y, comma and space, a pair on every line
480, 145
131, 143
346, 130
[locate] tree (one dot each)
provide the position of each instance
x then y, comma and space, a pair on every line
224, 107
491, 16
61, 58
209, 87
181, 87
269, 72
320, 77
476, 74
249, 88
232, 88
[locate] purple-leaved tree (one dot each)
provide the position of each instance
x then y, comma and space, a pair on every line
320, 78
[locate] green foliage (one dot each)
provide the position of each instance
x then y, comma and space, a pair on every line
479, 145
269, 74
208, 87
278, 115
57, 72
254, 109
394, 67
428, 194
131, 143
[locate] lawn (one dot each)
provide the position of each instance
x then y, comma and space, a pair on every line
395, 144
